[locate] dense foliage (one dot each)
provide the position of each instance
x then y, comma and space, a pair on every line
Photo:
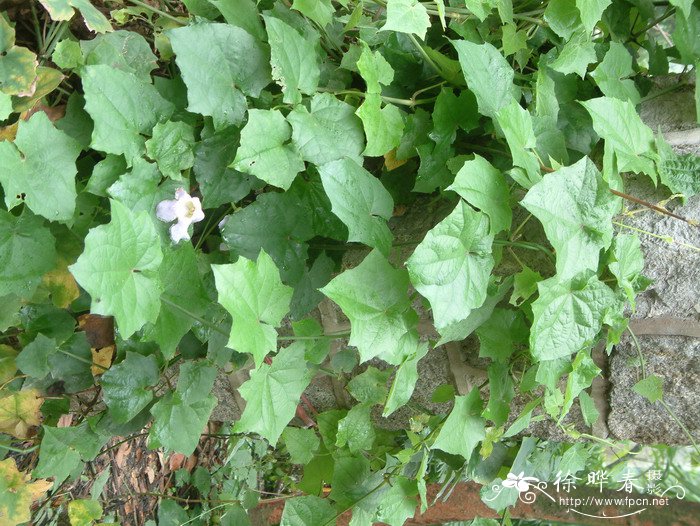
198, 174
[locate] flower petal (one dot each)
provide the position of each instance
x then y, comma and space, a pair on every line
178, 231
167, 210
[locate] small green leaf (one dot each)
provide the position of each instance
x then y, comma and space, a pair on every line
577, 54
293, 59
301, 443
405, 380
568, 315
63, 449
452, 264
591, 12
330, 131
516, 123
618, 123
360, 201
34, 358
464, 428
251, 291
651, 388
119, 269
127, 51
126, 386
369, 387
308, 510
242, 68
383, 125
488, 75
123, 107
626, 263
320, 11
272, 393
63, 10
407, 16
374, 297
399, 502
39, 169
355, 430
172, 147
264, 151
26, 253
583, 371
499, 335
563, 17
181, 415
576, 209
612, 74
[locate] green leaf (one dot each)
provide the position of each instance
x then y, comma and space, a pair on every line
329, 132
242, 68
360, 201
591, 12
119, 269
308, 511
685, 36
383, 126
320, 11
84, 512
563, 17
626, 263
63, 10
612, 74
369, 387
405, 380
5, 106
301, 443
499, 335
67, 54
488, 75
576, 208
126, 386
183, 297
242, 13
399, 502
407, 16
651, 388
355, 485
26, 253
374, 297
123, 107
524, 285
293, 59
272, 393
464, 428
39, 169
516, 123
8, 365
264, 151
452, 264
356, 430
139, 190
583, 371
568, 315
617, 122
127, 51
680, 173
34, 358
306, 295
218, 183
251, 291
276, 223
181, 415
71, 364
500, 393
375, 69
63, 448
480, 8
172, 147
578, 52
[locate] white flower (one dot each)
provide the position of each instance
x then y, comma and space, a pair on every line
185, 208
519, 482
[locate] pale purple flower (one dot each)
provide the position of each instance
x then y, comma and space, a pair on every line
185, 209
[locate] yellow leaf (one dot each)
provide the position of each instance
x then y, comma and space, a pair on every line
84, 512
390, 161
8, 133
19, 411
17, 494
61, 285
102, 359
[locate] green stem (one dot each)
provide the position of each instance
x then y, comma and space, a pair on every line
362, 94
663, 17
18, 450
425, 56
158, 12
